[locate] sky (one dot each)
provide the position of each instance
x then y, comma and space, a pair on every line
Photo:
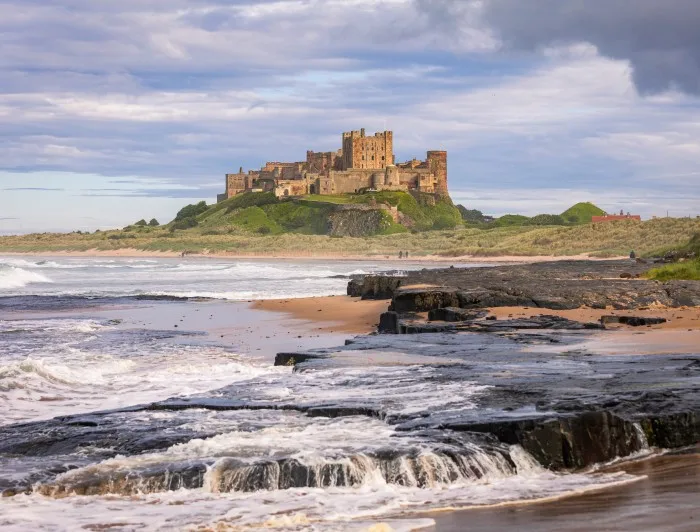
114, 111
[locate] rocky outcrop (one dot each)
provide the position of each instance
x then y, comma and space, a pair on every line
569, 442
455, 314
582, 440
374, 286
357, 221
556, 285
567, 413
632, 321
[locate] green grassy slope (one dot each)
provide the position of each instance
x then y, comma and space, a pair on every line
264, 213
581, 213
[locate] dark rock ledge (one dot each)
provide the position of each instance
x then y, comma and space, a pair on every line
569, 411
453, 297
550, 285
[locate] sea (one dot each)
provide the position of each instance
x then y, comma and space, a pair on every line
141, 394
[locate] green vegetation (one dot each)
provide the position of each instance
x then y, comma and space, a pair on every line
582, 213
310, 214
471, 216
600, 240
546, 219
262, 224
510, 220
688, 271
688, 267
191, 211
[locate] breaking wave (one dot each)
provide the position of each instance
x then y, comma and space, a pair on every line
14, 277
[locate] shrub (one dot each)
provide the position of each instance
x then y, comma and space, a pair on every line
249, 199
471, 216
153, 223
264, 230
141, 223
444, 221
185, 223
546, 219
510, 220
191, 211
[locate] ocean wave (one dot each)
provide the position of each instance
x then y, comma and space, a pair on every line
14, 277
240, 295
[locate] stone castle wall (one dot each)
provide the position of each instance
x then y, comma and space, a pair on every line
362, 152
363, 163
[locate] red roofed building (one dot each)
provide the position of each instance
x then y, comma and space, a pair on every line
613, 217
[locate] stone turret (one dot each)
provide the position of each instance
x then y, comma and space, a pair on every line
437, 163
392, 176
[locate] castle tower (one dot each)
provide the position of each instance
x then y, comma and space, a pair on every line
392, 176
437, 162
363, 152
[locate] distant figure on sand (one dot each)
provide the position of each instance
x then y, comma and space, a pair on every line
401, 254
405, 254
633, 255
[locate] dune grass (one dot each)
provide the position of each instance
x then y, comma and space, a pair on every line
599, 240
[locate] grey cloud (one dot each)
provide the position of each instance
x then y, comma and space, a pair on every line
660, 38
36, 188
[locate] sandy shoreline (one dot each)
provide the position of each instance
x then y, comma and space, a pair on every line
139, 253
664, 499
679, 335
331, 313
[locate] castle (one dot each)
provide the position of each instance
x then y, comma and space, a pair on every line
363, 163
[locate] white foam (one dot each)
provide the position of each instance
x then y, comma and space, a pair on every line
332, 509
237, 280
48, 369
14, 277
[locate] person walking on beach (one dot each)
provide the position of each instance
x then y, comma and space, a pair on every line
405, 254
401, 254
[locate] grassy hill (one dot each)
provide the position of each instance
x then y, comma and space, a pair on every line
582, 213
263, 213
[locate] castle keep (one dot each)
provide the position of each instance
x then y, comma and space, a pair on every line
363, 163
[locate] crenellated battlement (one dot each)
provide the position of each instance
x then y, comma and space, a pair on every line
362, 163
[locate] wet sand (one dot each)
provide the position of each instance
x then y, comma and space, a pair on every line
331, 314
679, 335
667, 499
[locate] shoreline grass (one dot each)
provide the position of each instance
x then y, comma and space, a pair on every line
682, 271
599, 240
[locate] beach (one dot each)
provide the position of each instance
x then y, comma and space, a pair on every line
663, 500
300, 255
142, 392
329, 314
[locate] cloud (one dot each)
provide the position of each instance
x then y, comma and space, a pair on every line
660, 39
35, 188
155, 99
